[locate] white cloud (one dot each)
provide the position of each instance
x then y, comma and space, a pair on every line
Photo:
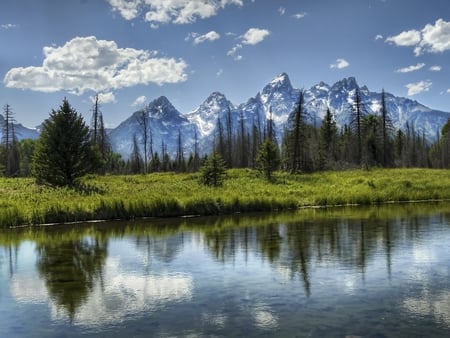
210, 36
104, 98
254, 36
340, 64
139, 101
408, 38
435, 38
418, 87
410, 68
170, 11
129, 9
299, 15
448, 90
87, 64
379, 37
219, 72
435, 68
282, 10
431, 39
8, 26
233, 52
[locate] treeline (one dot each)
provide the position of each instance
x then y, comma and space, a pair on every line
369, 140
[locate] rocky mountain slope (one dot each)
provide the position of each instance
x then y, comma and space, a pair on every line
277, 99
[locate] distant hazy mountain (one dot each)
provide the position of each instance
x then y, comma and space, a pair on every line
20, 131
279, 99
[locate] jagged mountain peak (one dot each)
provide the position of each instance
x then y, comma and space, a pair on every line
348, 84
277, 99
279, 83
162, 108
216, 98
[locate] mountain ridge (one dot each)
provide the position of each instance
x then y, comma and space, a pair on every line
277, 99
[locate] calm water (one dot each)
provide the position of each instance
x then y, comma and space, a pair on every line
379, 272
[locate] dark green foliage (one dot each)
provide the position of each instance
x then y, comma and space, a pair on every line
213, 170
64, 152
268, 159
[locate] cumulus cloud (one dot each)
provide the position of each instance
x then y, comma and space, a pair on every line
170, 11
282, 10
410, 69
254, 36
104, 98
418, 87
139, 101
197, 38
379, 37
87, 64
433, 38
340, 64
408, 38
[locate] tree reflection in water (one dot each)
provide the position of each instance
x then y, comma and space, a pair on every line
70, 270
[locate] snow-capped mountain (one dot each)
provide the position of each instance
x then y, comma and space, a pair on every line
20, 131
278, 100
165, 124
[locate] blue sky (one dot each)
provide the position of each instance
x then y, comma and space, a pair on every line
133, 51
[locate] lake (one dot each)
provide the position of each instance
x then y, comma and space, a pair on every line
341, 272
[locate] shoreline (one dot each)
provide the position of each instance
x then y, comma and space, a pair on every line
167, 195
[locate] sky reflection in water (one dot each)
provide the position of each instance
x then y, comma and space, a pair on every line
381, 272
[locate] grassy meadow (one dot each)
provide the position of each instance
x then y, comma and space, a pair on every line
23, 202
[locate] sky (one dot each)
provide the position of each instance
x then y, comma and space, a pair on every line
130, 52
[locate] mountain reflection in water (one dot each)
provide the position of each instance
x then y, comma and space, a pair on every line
318, 272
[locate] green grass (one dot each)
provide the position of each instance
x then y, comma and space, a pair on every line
169, 194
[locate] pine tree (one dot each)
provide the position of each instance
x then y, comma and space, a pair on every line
268, 159
136, 163
327, 140
296, 145
213, 170
358, 112
64, 152
387, 129
10, 154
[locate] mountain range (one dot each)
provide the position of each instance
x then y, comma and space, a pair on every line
277, 99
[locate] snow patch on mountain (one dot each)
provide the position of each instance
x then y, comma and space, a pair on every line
278, 99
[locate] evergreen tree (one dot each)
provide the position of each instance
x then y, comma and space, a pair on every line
180, 163
136, 163
10, 152
213, 170
358, 112
387, 129
327, 141
26, 150
371, 126
64, 152
268, 159
296, 141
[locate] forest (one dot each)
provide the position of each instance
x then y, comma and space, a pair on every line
368, 141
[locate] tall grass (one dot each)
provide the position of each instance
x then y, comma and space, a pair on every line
169, 194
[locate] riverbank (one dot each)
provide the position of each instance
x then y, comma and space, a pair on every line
171, 195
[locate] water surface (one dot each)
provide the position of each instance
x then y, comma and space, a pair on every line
369, 272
